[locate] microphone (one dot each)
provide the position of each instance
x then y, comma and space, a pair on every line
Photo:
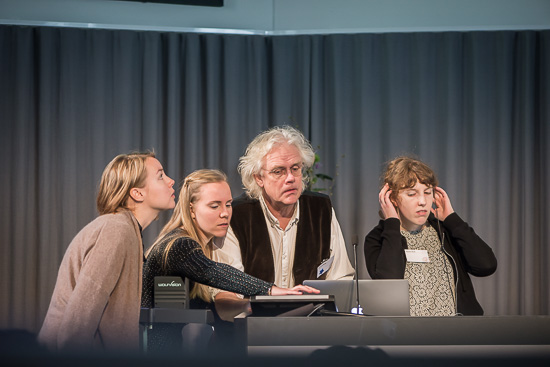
355, 243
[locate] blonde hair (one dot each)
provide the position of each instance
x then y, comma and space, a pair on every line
250, 164
123, 173
404, 172
181, 218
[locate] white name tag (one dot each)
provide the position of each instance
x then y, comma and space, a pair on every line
417, 256
323, 268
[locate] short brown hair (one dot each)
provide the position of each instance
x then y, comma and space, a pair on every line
123, 173
404, 172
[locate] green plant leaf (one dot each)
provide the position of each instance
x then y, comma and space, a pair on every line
322, 176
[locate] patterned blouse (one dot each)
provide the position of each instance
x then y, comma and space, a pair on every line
431, 284
187, 260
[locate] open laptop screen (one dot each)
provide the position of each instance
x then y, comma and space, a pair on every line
380, 297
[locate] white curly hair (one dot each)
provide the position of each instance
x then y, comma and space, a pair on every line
250, 164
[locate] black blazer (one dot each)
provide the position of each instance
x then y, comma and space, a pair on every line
385, 256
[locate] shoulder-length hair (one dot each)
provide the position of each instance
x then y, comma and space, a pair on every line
182, 218
404, 172
250, 164
123, 173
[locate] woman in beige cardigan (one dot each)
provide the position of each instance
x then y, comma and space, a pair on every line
96, 301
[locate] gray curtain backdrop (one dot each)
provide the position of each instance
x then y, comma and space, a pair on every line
473, 105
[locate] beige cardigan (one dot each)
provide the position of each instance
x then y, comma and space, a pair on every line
96, 300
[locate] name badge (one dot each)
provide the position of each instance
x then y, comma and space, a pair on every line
417, 256
325, 265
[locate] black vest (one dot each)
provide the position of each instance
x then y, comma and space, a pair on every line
312, 238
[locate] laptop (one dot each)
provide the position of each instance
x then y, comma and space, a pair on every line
380, 297
291, 305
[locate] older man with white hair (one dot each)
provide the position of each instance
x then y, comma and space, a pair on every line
279, 233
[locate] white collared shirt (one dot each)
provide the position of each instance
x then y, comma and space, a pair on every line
283, 248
